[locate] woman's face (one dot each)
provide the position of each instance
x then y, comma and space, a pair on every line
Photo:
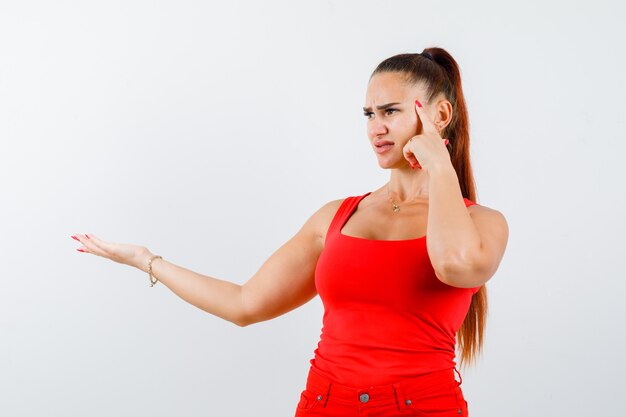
391, 116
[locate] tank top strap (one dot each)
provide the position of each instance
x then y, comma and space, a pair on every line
469, 202
348, 205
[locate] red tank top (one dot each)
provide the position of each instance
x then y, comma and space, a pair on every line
386, 315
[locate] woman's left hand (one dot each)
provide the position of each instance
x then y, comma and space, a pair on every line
429, 145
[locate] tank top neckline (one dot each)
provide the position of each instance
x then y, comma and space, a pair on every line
356, 238
362, 239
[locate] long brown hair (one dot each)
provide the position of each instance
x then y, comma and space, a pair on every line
440, 73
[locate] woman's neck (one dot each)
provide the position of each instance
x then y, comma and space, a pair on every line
407, 185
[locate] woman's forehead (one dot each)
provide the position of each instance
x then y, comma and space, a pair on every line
392, 87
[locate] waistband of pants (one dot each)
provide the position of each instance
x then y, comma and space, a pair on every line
381, 394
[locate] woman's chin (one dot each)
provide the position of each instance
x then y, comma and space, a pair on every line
387, 163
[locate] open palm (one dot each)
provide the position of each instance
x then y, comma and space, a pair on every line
123, 253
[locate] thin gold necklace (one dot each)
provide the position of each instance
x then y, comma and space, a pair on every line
396, 207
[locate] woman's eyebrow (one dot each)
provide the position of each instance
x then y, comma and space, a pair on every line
381, 107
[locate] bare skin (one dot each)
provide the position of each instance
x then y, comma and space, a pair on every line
465, 244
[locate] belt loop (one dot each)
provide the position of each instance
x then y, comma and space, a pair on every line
330, 384
400, 400
461, 379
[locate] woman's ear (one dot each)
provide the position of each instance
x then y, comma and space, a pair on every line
443, 117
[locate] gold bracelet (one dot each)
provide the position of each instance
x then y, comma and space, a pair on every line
150, 276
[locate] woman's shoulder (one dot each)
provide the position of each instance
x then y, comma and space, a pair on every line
474, 206
331, 207
324, 215
488, 219
328, 210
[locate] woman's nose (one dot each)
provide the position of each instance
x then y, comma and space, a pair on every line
377, 128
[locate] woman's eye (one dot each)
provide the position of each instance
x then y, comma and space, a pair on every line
368, 114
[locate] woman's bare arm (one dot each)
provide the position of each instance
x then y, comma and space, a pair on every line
218, 297
284, 282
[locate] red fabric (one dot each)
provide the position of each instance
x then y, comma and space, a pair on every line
386, 315
434, 394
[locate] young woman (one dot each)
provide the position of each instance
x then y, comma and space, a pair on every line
395, 300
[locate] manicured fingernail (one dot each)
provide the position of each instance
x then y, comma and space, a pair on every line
80, 250
75, 238
446, 141
418, 103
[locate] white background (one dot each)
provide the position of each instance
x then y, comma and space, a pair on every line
210, 133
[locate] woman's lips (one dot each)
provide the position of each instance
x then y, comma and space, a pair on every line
383, 148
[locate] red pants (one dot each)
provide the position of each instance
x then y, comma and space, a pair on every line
437, 394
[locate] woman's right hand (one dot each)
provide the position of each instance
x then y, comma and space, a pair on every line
123, 253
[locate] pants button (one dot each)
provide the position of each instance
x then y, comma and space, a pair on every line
319, 398
408, 402
364, 398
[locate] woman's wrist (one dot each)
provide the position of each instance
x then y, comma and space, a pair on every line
142, 258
